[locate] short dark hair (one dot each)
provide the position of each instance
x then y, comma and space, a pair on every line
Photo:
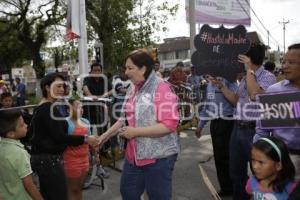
140, 58
156, 61
287, 173
48, 80
256, 53
5, 94
294, 46
8, 121
270, 66
179, 64
96, 64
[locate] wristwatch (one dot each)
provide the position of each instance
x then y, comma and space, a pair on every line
251, 72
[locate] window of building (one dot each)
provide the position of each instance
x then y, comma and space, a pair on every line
170, 56
182, 54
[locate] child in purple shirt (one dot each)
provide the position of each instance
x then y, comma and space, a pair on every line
273, 170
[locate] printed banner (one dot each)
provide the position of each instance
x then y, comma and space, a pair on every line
232, 12
280, 110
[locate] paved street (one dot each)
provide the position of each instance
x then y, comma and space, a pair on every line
187, 182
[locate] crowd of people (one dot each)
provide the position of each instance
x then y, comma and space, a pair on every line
232, 140
145, 118
12, 96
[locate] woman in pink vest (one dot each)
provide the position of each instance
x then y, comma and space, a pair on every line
149, 127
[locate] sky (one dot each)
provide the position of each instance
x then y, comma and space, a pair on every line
270, 13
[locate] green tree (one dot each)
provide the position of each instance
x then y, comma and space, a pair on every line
109, 21
32, 20
125, 25
12, 52
149, 17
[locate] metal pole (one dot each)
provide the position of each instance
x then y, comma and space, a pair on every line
283, 24
268, 44
192, 21
101, 54
268, 38
284, 38
83, 54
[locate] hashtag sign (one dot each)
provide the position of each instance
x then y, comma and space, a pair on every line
204, 36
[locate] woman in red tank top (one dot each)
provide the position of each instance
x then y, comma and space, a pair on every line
76, 160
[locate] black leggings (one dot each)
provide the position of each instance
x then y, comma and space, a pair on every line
52, 179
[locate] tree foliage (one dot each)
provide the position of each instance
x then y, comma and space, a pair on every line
109, 21
125, 25
121, 25
12, 51
32, 21
150, 17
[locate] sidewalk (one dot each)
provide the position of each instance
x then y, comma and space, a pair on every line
187, 180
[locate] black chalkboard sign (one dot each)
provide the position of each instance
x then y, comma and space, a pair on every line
217, 51
280, 110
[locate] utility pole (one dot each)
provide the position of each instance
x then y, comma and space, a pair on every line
283, 25
268, 38
268, 48
83, 53
192, 21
